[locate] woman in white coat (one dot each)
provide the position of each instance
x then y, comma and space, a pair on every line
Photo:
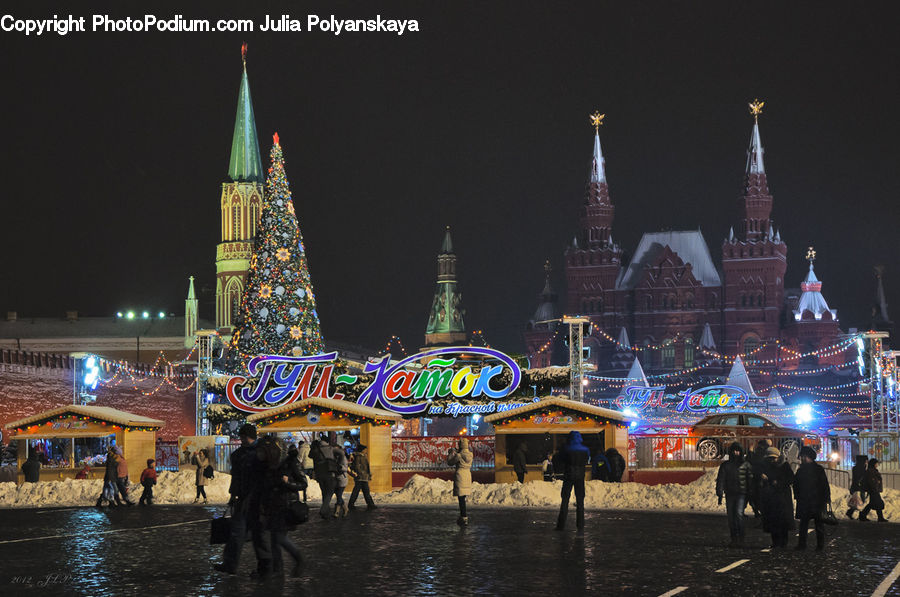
461, 458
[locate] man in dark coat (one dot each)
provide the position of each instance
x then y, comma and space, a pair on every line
857, 483
284, 480
110, 479
574, 459
616, 465
757, 460
874, 486
362, 474
519, 461
813, 494
324, 466
600, 467
248, 473
775, 503
31, 468
734, 481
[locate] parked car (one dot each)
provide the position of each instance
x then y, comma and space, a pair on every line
715, 432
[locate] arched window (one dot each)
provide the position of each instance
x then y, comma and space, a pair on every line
232, 301
743, 300
668, 354
254, 218
649, 302
751, 343
759, 300
664, 301
236, 222
688, 353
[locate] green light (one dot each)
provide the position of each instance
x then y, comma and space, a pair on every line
162, 315
145, 315
130, 315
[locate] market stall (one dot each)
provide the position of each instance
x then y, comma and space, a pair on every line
543, 427
67, 438
322, 414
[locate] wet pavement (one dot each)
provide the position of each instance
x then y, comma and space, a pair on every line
164, 550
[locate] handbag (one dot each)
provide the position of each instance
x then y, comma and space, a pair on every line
828, 516
209, 472
220, 529
297, 513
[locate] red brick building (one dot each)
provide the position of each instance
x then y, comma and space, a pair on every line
672, 294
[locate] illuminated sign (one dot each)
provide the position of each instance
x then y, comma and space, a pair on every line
396, 388
696, 401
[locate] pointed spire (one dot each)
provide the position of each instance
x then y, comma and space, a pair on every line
738, 377
447, 245
598, 167
755, 152
731, 234
774, 398
778, 236
245, 164
190, 315
812, 300
610, 240
636, 376
575, 242
706, 339
624, 343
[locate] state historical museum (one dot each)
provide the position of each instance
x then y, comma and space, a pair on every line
673, 296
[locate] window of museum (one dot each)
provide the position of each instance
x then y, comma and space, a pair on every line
751, 343
688, 353
668, 354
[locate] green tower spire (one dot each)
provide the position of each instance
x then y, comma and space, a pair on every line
245, 164
445, 322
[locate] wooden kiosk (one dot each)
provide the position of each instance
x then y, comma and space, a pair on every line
544, 426
323, 414
136, 435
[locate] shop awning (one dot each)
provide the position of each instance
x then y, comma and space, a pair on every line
320, 414
549, 415
66, 421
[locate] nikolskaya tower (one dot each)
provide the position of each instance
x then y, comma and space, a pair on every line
241, 203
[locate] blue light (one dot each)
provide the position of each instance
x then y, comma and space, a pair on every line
210, 397
476, 418
803, 414
145, 315
162, 315
119, 315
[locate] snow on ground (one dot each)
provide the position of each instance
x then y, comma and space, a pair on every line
178, 488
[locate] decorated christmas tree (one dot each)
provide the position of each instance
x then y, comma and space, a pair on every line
278, 308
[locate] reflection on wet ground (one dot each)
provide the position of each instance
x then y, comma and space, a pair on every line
164, 550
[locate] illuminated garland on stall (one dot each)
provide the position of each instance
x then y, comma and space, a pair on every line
89, 419
305, 411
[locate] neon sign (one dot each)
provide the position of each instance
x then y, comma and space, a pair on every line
697, 401
283, 380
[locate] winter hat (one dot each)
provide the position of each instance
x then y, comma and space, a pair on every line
873, 461
735, 447
247, 430
808, 452
361, 447
772, 452
463, 444
150, 462
293, 452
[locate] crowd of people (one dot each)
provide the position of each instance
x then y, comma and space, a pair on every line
770, 486
266, 485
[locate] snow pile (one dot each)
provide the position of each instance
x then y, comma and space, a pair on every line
179, 488
697, 496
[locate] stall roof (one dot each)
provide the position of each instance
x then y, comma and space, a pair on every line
102, 413
345, 406
588, 409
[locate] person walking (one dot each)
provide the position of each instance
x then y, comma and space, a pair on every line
574, 459
757, 461
362, 474
201, 460
341, 479
248, 471
31, 468
122, 476
461, 458
775, 481
520, 461
858, 492
110, 490
282, 482
324, 466
813, 494
616, 465
874, 486
148, 480
734, 482
306, 462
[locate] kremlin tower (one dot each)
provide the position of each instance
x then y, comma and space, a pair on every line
241, 204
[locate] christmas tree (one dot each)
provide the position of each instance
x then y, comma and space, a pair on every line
278, 308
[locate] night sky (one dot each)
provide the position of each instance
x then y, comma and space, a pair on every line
115, 146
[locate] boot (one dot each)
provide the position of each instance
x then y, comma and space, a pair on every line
344, 510
205, 500
196, 499
462, 521
850, 513
337, 510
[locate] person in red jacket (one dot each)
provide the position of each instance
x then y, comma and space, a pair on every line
83, 473
148, 480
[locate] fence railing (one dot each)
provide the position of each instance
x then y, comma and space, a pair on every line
656, 451
838, 477
222, 456
430, 453
167, 456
